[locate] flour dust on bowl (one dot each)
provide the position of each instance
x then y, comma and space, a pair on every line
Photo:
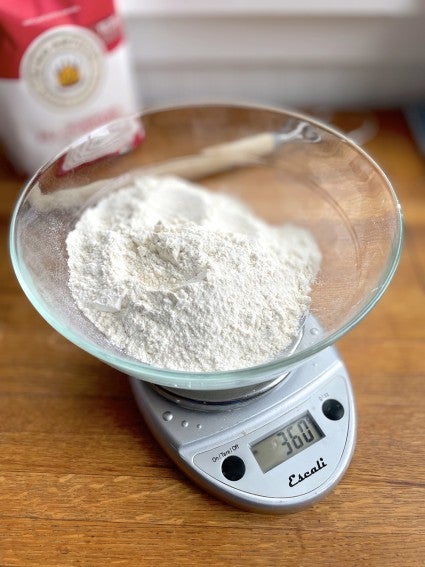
214, 254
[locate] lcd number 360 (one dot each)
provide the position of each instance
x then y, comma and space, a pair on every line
295, 441
287, 442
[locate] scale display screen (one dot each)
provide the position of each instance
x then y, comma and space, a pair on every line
287, 442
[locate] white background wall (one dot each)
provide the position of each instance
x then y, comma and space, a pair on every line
308, 52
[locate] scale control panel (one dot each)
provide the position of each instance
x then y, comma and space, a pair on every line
288, 457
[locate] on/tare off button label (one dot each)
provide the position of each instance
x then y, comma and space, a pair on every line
222, 462
225, 453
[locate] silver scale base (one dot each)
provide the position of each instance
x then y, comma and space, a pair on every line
213, 436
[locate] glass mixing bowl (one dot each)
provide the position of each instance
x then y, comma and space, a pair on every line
284, 166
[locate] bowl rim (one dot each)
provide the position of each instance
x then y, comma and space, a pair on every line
221, 379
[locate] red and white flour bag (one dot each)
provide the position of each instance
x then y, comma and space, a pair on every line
64, 70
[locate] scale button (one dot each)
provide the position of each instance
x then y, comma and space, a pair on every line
233, 468
333, 409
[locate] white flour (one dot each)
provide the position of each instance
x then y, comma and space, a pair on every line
185, 279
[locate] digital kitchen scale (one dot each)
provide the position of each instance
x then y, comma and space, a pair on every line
280, 435
273, 448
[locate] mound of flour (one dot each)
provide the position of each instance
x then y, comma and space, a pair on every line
185, 279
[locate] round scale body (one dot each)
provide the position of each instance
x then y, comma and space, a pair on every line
276, 452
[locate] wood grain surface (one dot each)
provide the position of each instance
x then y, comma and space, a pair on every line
83, 483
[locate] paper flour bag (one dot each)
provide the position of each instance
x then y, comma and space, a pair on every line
64, 70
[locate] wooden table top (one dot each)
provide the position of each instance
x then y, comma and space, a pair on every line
82, 482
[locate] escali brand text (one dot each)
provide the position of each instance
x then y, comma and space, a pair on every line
294, 479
